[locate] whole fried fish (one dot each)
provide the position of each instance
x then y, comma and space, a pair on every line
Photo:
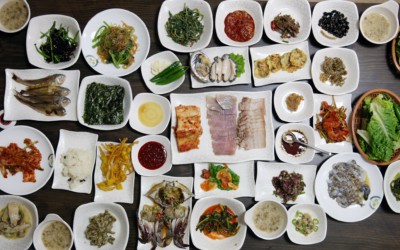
45, 108
51, 90
49, 99
51, 80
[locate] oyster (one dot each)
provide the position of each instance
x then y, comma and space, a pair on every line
200, 66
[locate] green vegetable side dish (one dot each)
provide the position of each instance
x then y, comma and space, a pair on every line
304, 223
398, 49
185, 27
214, 169
379, 136
104, 104
170, 74
59, 46
239, 60
395, 186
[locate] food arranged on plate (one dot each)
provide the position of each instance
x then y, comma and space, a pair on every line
288, 186
286, 26
166, 75
333, 70
99, 230
219, 176
16, 220
188, 128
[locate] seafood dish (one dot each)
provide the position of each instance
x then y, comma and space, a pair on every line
219, 176
16, 221
188, 128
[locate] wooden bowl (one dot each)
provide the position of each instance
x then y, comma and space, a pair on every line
395, 59
356, 123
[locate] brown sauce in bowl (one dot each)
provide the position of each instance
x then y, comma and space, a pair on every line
295, 149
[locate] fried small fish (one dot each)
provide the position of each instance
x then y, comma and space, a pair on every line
51, 80
49, 99
52, 90
45, 108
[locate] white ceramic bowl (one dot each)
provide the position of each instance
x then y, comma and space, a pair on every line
350, 60
4, 29
299, 10
307, 155
41, 24
201, 241
147, 75
139, 100
228, 6
315, 211
111, 81
176, 6
305, 109
391, 172
349, 9
388, 9
248, 218
135, 155
37, 236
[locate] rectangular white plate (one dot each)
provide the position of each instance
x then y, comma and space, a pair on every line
281, 76
15, 110
245, 78
245, 170
267, 170
78, 140
149, 182
205, 151
124, 195
341, 100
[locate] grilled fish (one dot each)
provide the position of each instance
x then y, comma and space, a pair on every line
49, 99
45, 108
52, 90
51, 80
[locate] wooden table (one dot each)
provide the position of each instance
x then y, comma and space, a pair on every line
381, 230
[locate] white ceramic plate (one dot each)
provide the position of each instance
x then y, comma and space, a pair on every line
299, 10
213, 52
246, 188
176, 6
315, 211
110, 81
15, 110
350, 60
13, 183
307, 155
81, 220
135, 155
124, 195
146, 184
229, 6
390, 174
134, 120
6, 30
305, 109
349, 10
41, 24
203, 242
281, 76
115, 17
37, 236
168, 56
78, 140
354, 212
25, 242
267, 170
342, 100
205, 152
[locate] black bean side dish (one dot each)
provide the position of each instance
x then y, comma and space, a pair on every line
335, 23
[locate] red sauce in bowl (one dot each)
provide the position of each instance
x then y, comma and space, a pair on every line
239, 26
152, 155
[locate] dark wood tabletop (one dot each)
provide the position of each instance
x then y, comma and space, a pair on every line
380, 231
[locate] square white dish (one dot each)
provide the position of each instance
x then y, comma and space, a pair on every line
124, 195
267, 170
213, 52
299, 10
77, 140
205, 151
41, 24
247, 184
281, 76
341, 100
350, 61
15, 110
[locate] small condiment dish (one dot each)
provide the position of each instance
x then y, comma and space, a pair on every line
391, 173
169, 57
305, 109
315, 211
229, 6
349, 10
138, 144
248, 218
307, 155
299, 10
350, 61
143, 98
37, 236
40, 25
176, 6
6, 30
111, 81
389, 10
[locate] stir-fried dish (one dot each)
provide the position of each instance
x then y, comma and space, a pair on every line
333, 70
221, 176
99, 231
286, 26
288, 186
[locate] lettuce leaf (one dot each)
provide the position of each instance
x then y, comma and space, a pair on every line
239, 60
214, 169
